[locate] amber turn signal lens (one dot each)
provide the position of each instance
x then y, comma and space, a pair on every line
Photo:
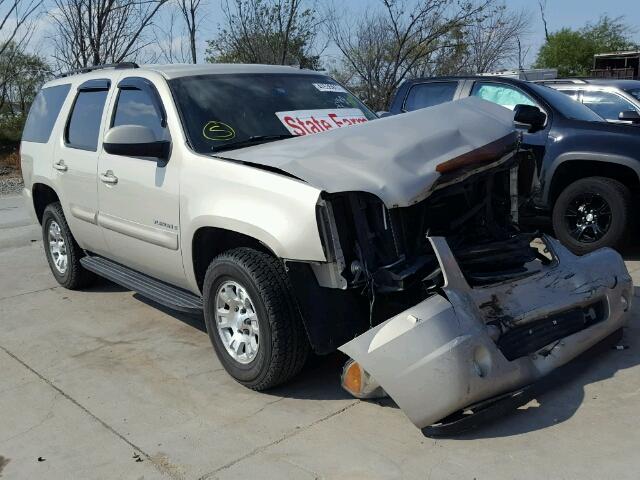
352, 378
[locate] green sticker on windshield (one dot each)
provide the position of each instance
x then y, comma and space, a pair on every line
218, 131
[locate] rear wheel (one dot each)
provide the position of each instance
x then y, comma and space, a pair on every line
62, 251
592, 213
252, 319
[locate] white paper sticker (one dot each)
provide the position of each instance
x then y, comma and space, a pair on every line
330, 87
307, 122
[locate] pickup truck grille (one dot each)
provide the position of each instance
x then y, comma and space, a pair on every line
529, 338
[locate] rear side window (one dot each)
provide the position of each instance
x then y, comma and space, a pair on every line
84, 124
43, 113
430, 94
136, 107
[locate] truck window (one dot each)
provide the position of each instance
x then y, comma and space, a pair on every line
43, 113
607, 105
84, 123
502, 94
429, 94
136, 107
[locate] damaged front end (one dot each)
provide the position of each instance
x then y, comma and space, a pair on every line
462, 305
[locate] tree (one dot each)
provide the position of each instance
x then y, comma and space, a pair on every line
381, 48
93, 32
21, 76
189, 10
572, 51
494, 40
281, 32
15, 16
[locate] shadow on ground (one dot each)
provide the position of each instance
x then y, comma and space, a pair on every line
560, 396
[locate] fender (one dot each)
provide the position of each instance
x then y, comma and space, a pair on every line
550, 170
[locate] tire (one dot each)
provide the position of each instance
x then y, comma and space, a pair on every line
589, 193
73, 276
282, 347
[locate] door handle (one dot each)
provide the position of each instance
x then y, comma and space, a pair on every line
108, 177
60, 166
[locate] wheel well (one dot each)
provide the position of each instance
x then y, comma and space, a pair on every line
209, 242
572, 170
43, 195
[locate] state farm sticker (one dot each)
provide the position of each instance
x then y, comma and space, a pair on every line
330, 87
306, 122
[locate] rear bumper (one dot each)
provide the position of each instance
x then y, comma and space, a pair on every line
438, 357
28, 201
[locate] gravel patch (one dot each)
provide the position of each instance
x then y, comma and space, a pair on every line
10, 181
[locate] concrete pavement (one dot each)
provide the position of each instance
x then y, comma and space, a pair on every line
103, 384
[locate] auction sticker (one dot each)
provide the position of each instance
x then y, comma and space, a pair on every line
330, 87
307, 122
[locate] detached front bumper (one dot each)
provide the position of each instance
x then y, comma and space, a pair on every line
443, 354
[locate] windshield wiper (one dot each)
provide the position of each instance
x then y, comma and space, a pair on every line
254, 140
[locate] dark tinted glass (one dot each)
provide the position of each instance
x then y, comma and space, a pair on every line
430, 94
84, 124
43, 113
563, 103
136, 107
220, 111
607, 105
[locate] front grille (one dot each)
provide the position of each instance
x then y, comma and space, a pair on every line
529, 338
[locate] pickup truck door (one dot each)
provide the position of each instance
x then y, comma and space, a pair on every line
139, 196
75, 162
509, 96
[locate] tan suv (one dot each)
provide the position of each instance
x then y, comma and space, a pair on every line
267, 198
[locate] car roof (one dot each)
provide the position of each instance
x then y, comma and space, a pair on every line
623, 84
514, 81
172, 71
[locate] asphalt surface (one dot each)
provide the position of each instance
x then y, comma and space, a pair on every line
103, 384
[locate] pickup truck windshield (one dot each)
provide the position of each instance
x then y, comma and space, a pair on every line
222, 112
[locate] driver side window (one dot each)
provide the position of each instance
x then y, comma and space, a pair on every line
502, 94
136, 107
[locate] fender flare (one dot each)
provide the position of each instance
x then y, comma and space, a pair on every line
622, 160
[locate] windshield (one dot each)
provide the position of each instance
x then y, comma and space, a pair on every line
566, 105
221, 112
634, 92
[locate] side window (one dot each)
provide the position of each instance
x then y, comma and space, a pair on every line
425, 95
607, 105
83, 127
502, 94
136, 107
43, 113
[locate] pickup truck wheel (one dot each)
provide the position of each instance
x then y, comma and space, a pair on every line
592, 213
252, 319
62, 251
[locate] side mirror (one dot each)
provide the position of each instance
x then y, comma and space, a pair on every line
135, 141
382, 114
629, 116
531, 116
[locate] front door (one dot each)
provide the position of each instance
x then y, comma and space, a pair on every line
75, 163
139, 196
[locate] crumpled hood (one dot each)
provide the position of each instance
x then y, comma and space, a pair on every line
394, 158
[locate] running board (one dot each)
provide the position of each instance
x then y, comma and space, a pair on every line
160, 292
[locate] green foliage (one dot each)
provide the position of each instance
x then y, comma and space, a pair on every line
572, 51
279, 32
21, 76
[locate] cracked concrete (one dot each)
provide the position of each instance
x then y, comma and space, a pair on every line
92, 382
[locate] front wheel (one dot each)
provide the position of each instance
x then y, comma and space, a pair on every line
252, 319
592, 213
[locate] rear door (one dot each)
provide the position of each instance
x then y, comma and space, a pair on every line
139, 196
75, 162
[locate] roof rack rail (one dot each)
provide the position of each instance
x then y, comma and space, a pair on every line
99, 67
558, 81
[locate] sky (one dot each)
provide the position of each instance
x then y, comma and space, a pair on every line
560, 13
